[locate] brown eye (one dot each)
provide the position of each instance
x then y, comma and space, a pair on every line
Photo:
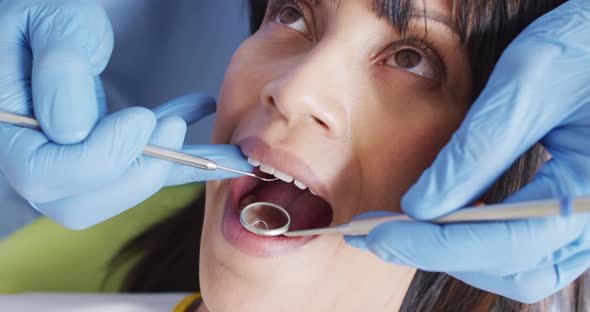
407, 58
289, 15
412, 61
293, 18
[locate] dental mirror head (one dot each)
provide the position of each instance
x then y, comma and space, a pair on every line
266, 219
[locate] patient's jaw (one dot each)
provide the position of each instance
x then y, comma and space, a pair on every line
367, 109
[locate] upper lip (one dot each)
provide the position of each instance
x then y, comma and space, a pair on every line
284, 161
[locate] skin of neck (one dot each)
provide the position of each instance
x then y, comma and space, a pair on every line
383, 288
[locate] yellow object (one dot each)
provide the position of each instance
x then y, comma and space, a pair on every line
46, 257
186, 302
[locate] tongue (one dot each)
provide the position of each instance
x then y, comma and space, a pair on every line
307, 211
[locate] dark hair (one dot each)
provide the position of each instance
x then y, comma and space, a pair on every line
169, 250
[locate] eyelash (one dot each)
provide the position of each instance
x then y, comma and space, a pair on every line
275, 7
423, 45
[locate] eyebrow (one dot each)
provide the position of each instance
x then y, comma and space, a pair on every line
399, 12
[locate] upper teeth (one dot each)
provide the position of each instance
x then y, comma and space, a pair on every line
277, 173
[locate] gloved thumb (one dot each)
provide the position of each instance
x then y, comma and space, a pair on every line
191, 107
223, 154
360, 241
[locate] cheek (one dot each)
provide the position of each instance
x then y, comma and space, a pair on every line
419, 146
232, 100
395, 154
240, 92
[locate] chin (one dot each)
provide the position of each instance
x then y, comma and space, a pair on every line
254, 275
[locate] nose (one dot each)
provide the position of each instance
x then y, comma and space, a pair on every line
311, 89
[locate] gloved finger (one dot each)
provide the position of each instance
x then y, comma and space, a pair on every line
43, 172
144, 177
101, 98
494, 247
15, 69
531, 286
225, 155
191, 107
515, 98
71, 43
359, 241
557, 178
582, 243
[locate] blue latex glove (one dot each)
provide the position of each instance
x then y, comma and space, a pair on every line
539, 91
85, 167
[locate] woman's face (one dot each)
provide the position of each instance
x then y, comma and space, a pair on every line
332, 95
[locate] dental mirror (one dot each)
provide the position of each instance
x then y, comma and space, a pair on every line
266, 219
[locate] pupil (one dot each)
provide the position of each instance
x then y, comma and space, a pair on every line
408, 58
289, 16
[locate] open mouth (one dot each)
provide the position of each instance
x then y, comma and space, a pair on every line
307, 210
293, 192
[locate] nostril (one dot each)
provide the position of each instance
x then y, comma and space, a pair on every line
270, 101
319, 121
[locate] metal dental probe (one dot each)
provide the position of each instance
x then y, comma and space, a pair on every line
152, 151
261, 213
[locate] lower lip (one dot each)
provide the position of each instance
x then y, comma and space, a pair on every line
248, 242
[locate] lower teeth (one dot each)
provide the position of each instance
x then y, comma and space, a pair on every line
247, 201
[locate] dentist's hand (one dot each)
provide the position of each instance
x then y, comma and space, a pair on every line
85, 167
539, 91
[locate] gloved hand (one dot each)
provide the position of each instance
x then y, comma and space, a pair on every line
539, 91
85, 167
